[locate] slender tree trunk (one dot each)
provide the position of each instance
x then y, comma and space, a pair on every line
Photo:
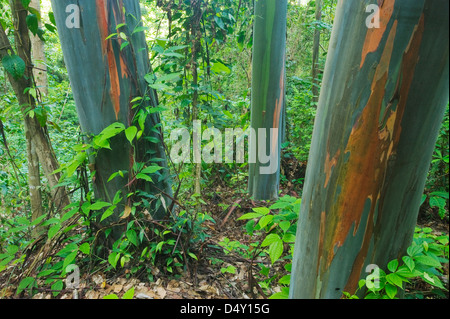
196, 38
40, 77
383, 98
39, 135
106, 74
34, 181
268, 98
38, 56
316, 47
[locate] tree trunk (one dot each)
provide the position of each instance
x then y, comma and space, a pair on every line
105, 78
38, 56
39, 135
316, 47
195, 50
383, 99
268, 98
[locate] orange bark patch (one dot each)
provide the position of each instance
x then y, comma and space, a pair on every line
374, 35
109, 55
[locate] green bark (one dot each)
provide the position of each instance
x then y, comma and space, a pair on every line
268, 96
382, 101
106, 75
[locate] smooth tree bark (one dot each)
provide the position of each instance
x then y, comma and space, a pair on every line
381, 105
21, 85
316, 49
38, 55
268, 98
107, 74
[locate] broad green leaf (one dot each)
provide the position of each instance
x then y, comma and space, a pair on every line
14, 65
25, 283
395, 280
12, 249
69, 259
289, 238
265, 220
144, 177
130, 133
113, 258
409, 262
53, 230
151, 169
111, 296
271, 238
275, 250
129, 294
284, 294
99, 205
69, 214
428, 261
285, 280
392, 265
85, 248
262, 210
58, 286
132, 237
32, 23
250, 216
391, 291
108, 213
38, 220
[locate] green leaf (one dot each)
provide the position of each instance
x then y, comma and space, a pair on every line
151, 169
284, 294
285, 280
12, 249
130, 133
38, 220
53, 230
144, 177
393, 265
69, 259
108, 213
113, 258
111, 296
250, 216
25, 283
289, 238
25, 3
262, 210
428, 261
69, 214
391, 291
85, 248
14, 65
32, 23
271, 238
58, 285
275, 250
395, 280
132, 237
265, 220
99, 205
129, 294
409, 262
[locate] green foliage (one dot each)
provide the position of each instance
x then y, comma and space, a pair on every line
423, 261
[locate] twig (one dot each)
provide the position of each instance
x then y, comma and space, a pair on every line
235, 204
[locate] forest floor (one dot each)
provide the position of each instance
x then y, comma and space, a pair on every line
205, 279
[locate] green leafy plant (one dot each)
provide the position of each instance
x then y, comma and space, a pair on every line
423, 261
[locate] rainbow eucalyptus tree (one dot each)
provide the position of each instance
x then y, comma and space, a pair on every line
384, 93
268, 98
107, 60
